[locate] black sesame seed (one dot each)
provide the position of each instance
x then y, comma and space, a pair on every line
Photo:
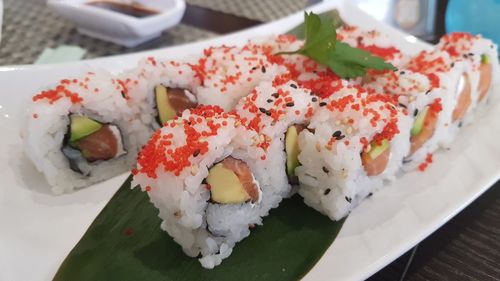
269, 100
196, 153
325, 170
268, 113
327, 191
338, 135
293, 86
314, 99
428, 91
405, 161
254, 68
464, 55
402, 73
370, 194
415, 113
290, 104
348, 199
263, 68
402, 105
491, 46
471, 54
460, 124
452, 64
322, 103
263, 110
275, 95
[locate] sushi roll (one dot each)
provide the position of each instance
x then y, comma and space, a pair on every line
355, 141
482, 57
81, 132
453, 87
421, 99
228, 73
279, 110
206, 174
159, 90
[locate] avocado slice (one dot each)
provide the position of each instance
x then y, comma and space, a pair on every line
418, 125
377, 149
292, 150
165, 110
485, 59
81, 127
225, 186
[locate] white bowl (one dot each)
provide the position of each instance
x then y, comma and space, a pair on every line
117, 27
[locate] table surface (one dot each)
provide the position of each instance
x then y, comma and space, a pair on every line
466, 248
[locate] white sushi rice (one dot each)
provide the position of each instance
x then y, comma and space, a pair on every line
332, 177
466, 48
230, 73
199, 226
151, 72
48, 122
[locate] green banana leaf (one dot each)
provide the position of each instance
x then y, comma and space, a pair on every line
125, 242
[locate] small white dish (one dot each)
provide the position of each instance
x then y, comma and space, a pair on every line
117, 27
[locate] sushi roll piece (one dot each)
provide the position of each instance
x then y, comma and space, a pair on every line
279, 110
206, 174
452, 83
481, 55
356, 141
81, 132
228, 73
159, 90
421, 98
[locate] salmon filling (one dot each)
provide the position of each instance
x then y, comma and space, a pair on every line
464, 98
232, 182
88, 141
171, 102
376, 159
485, 75
417, 140
101, 145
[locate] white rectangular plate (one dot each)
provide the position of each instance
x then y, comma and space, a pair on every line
37, 229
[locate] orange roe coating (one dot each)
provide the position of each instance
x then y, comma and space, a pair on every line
124, 88
326, 84
152, 60
436, 106
428, 160
456, 44
387, 53
57, 93
160, 152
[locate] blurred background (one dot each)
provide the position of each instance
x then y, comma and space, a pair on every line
37, 32
33, 32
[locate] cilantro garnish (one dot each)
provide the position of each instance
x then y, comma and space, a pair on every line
322, 46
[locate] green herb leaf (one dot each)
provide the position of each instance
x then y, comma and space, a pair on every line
332, 16
125, 243
349, 62
322, 46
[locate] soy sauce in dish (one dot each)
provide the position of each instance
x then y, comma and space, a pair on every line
134, 10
